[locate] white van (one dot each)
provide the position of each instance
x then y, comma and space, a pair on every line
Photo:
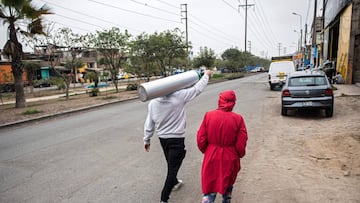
278, 71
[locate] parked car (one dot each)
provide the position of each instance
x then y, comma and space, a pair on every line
307, 90
278, 71
122, 76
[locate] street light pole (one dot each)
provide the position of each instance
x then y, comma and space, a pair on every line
298, 44
300, 31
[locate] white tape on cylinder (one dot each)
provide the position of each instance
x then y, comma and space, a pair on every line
167, 85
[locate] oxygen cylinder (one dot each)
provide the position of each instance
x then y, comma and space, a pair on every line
167, 85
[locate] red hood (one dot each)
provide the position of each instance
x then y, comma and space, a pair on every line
227, 100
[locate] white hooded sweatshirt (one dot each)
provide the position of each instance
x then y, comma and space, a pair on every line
166, 115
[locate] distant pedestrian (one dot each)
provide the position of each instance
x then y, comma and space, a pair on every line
222, 138
166, 116
338, 78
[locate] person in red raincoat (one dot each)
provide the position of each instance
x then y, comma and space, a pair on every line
222, 138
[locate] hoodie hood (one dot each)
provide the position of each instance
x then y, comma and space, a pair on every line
227, 100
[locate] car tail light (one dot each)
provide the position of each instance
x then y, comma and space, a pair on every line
328, 92
286, 93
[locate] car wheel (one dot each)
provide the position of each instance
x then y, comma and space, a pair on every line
8, 88
329, 112
283, 111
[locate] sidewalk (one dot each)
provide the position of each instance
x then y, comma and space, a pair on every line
347, 90
57, 96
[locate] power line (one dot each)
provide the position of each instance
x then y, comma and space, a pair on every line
246, 8
77, 20
159, 9
79, 28
207, 36
131, 11
166, 3
260, 33
212, 31
231, 6
254, 32
212, 28
265, 40
209, 30
268, 27
264, 31
223, 36
104, 20
87, 15
192, 21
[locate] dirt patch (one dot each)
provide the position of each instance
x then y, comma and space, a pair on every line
336, 145
337, 153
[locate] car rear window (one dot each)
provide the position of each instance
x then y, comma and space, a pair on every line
282, 67
307, 81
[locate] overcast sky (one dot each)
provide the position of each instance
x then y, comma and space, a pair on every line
216, 24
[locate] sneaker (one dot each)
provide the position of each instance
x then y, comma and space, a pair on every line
178, 185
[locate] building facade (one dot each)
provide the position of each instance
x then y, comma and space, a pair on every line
339, 40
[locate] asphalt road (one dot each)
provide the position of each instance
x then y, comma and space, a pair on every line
98, 155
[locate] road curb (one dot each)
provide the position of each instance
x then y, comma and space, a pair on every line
43, 117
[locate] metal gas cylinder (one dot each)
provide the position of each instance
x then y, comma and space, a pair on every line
167, 85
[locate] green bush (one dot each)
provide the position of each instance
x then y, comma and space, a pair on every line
42, 83
31, 111
59, 82
94, 92
132, 87
217, 76
232, 76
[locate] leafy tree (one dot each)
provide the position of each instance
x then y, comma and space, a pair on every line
232, 59
164, 49
31, 68
167, 46
113, 46
16, 13
93, 77
219, 63
72, 64
63, 41
235, 60
66, 38
206, 58
142, 54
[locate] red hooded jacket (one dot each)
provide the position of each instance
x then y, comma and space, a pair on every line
222, 138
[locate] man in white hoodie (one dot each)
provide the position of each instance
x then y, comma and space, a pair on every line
166, 117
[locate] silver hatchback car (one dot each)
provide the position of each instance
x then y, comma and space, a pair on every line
307, 90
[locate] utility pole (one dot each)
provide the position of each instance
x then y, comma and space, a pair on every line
246, 8
184, 6
305, 34
279, 48
301, 49
314, 46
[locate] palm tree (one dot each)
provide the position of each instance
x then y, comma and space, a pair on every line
14, 12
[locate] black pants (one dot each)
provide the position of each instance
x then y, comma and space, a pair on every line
174, 151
